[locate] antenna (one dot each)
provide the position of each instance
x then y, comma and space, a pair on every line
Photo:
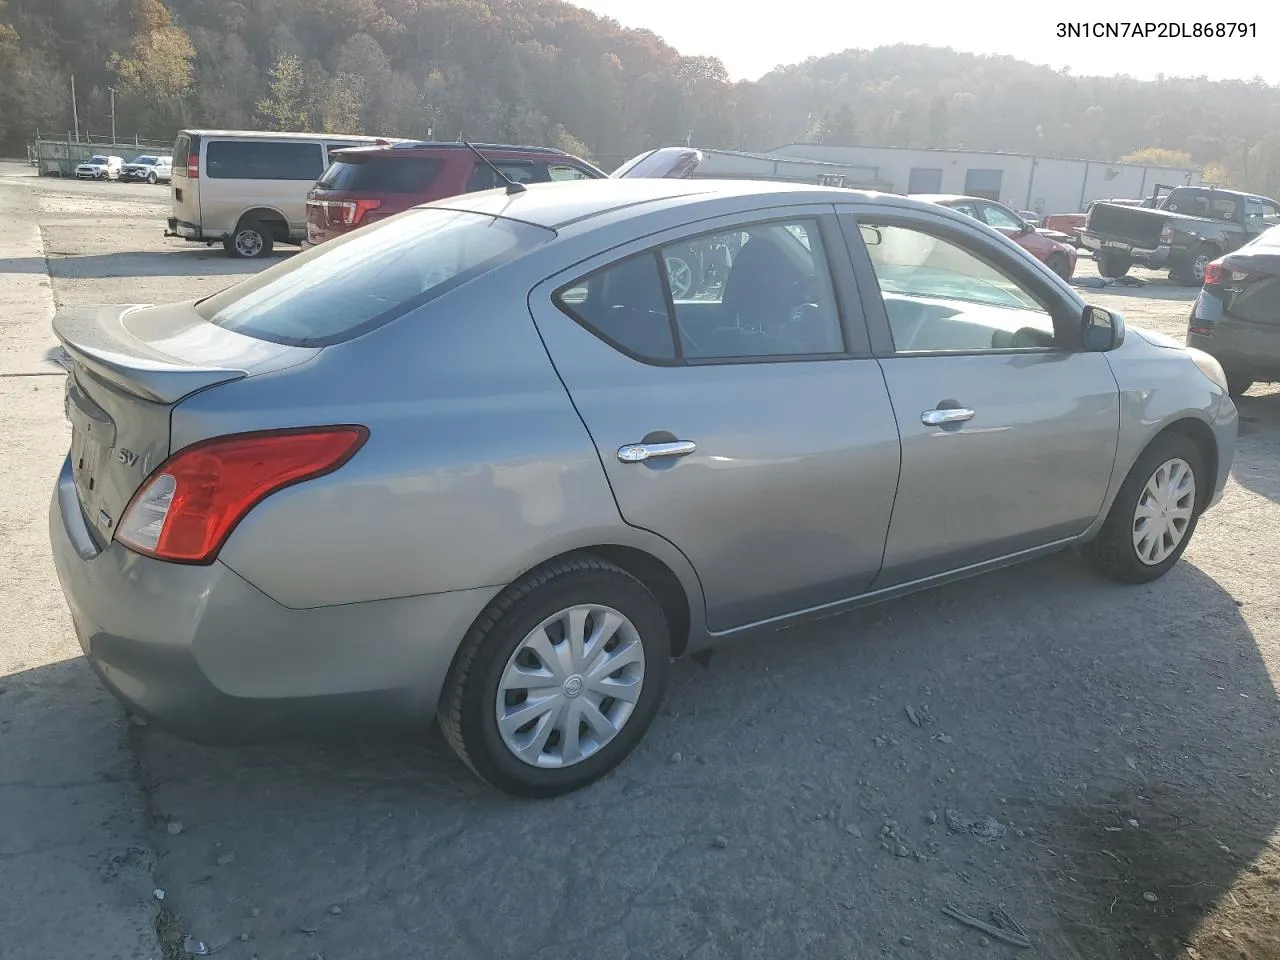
512, 187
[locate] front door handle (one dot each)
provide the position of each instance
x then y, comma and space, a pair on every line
936, 418
640, 452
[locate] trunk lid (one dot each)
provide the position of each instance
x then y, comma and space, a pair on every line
127, 368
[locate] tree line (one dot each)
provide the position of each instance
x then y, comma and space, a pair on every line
546, 72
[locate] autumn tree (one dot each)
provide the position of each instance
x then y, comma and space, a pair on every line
156, 75
286, 106
1158, 157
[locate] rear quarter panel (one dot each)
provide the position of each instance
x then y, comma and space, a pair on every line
477, 467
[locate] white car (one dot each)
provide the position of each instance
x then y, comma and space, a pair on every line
100, 168
152, 169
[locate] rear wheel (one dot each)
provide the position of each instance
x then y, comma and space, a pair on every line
1192, 273
1154, 514
1057, 262
558, 679
250, 241
1114, 265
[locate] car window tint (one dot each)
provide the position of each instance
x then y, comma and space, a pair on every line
263, 160
1000, 219
940, 297
381, 174
369, 277
625, 305
567, 171
483, 177
759, 291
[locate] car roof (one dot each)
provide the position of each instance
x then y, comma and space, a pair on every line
431, 147
556, 205
269, 135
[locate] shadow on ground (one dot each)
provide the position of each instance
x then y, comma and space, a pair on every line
1257, 464
204, 261
784, 804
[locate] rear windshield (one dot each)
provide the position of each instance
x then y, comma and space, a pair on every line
1203, 203
369, 277
380, 174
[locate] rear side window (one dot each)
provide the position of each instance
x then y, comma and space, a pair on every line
626, 306
369, 277
263, 160
521, 171
381, 174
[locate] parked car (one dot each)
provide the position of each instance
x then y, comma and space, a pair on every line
1236, 317
248, 189
149, 168
100, 167
1070, 224
1056, 255
475, 461
366, 184
1188, 229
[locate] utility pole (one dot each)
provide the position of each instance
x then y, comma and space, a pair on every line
75, 112
113, 115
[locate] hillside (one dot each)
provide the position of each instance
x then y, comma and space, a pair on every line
544, 71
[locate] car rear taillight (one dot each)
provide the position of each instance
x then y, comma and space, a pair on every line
353, 211
193, 166
187, 508
1214, 274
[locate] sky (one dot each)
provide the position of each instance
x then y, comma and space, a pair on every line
751, 45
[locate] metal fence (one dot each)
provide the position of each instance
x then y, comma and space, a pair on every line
59, 158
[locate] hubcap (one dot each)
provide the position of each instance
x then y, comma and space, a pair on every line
1202, 261
248, 243
680, 276
1164, 511
570, 686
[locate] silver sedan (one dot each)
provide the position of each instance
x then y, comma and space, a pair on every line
482, 462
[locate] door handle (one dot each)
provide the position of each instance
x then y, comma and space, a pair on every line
640, 452
936, 418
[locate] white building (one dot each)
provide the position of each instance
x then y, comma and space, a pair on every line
1046, 185
737, 165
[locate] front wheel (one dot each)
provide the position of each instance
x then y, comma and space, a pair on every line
1154, 514
559, 678
151, 177
1057, 262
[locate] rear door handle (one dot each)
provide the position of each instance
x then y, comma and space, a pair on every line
640, 452
936, 418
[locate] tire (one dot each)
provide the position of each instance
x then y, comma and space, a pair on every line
1238, 383
469, 704
1114, 265
1191, 273
1113, 553
152, 178
251, 241
1057, 262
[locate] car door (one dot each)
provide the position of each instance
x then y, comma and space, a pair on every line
745, 422
1009, 428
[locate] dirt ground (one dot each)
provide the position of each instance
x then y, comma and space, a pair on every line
1098, 762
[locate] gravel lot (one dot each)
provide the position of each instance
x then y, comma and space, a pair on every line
1124, 742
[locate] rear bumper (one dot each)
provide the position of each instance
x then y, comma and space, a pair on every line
1211, 329
209, 657
187, 231
1157, 256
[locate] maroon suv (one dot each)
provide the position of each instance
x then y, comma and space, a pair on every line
364, 184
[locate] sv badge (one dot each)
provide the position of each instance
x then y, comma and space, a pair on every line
127, 457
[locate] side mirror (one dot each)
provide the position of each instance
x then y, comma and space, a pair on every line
1027, 228
871, 236
1101, 330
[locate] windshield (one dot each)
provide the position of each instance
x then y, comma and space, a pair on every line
100, 161
147, 160
369, 277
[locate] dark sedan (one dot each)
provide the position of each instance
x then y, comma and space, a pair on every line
1236, 317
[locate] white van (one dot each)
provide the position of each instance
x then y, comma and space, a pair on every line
248, 189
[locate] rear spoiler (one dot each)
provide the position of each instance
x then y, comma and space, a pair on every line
97, 339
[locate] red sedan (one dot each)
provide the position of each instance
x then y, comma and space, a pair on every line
1059, 257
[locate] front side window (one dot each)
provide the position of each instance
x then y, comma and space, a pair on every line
264, 160
940, 297
369, 277
1000, 218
